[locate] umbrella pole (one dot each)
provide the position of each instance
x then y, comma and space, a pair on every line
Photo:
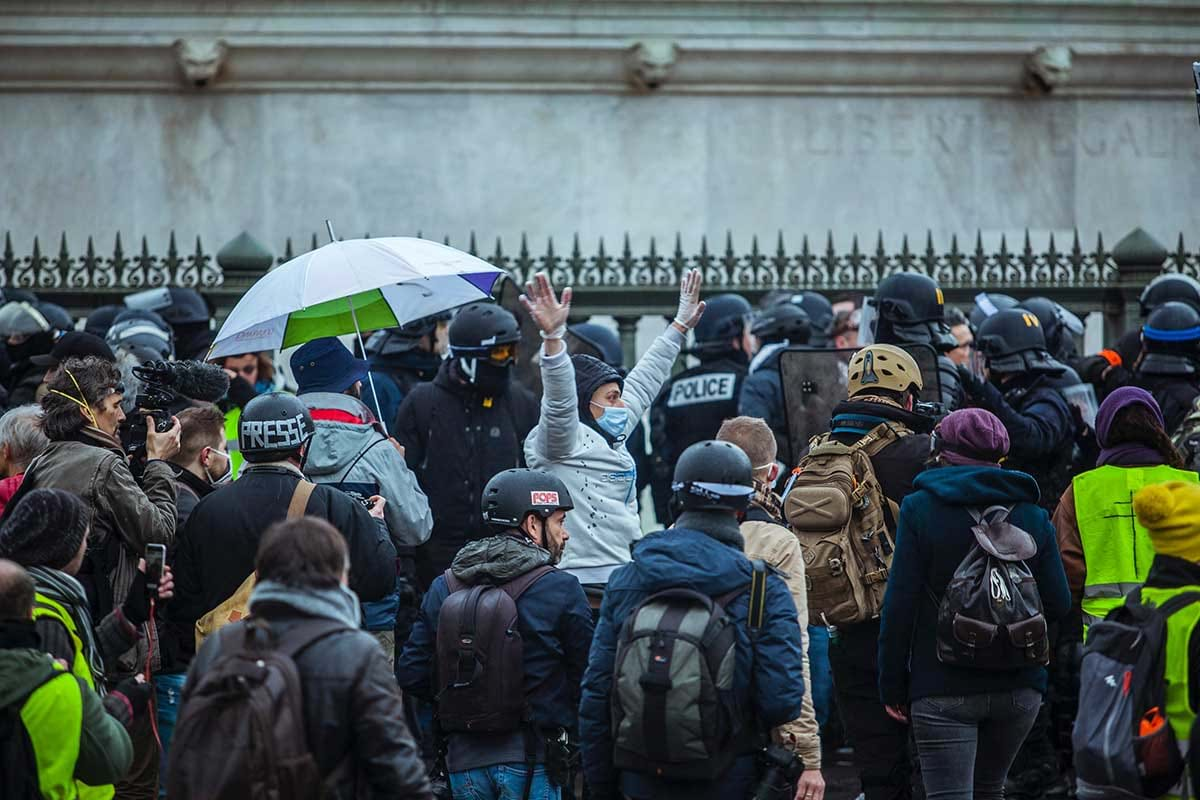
362, 348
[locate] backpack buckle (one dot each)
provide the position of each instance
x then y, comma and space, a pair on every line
836, 567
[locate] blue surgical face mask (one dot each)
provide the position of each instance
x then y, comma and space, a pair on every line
613, 420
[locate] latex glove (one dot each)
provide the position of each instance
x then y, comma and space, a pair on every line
690, 304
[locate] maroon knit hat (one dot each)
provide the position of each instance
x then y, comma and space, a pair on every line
971, 436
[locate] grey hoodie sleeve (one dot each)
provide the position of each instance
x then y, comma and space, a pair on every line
409, 519
557, 433
646, 379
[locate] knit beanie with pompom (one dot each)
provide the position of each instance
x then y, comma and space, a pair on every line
44, 529
1170, 513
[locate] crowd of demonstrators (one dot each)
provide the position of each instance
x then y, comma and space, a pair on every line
899, 576
466, 425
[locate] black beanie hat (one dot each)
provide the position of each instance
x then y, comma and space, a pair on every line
590, 374
44, 529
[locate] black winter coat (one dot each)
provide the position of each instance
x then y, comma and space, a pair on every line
1174, 395
216, 550
353, 716
455, 439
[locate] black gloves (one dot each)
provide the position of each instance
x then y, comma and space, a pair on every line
136, 697
972, 384
136, 607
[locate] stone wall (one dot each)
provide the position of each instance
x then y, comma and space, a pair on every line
501, 118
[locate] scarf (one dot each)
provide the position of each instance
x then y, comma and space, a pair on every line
767, 500
1129, 454
64, 589
338, 604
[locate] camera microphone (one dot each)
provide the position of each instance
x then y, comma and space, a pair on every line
196, 380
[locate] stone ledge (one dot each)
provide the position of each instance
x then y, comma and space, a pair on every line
902, 48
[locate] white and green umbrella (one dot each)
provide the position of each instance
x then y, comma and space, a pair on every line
351, 286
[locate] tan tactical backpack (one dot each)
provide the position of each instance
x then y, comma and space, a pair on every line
836, 508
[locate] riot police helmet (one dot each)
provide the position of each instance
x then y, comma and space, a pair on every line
1172, 287
143, 334
273, 427
1171, 337
1013, 342
724, 319
713, 476
909, 309
784, 322
394, 341
603, 340
1059, 325
513, 494
987, 304
819, 311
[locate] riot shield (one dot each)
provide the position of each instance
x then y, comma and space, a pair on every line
814, 382
1083, 397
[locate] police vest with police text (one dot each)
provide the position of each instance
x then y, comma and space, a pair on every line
1116, 548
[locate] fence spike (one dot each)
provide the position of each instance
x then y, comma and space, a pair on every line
471, 245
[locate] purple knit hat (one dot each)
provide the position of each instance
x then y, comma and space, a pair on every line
971, 437
1120, 399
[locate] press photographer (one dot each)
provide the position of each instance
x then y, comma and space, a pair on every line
164, 388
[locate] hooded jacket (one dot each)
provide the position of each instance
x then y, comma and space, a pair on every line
348, 449
599, 473
934, 537
555, 622
103, 751
124, 516
455, 439
770, 684
353, 713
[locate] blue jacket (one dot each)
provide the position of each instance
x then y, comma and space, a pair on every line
555, 621
934, 535
686, 558
762, 397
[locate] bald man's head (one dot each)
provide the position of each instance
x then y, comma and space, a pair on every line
16, 592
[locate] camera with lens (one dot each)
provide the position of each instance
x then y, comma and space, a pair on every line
780, 768
167, 385
157, 391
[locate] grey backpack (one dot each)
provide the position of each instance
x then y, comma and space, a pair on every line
673, 710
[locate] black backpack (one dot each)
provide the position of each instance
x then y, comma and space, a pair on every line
990, 616
673, 710
481, 657
241, 733
1123, 689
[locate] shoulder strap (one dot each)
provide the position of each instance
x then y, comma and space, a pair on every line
300, 497
299, 637
453, 583
1175, 604
517, 586
880, 437
758, 596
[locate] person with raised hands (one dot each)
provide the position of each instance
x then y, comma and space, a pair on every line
588, 411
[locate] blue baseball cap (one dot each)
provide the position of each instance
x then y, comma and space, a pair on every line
326, 365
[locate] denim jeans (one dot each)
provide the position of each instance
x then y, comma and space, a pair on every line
168, 694
502, 782
820, 674
968, 742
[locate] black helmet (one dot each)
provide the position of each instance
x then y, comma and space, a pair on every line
724, 318
782, 322
393, 341
713, 476
603, 340
1012, 341
19, 318
142, 333
478, 328
101, 319
187, 307
1059, 326
58, 317
820, 316
1167, 288
510, 495
909, 309
1171, 337
987, 304
274, 426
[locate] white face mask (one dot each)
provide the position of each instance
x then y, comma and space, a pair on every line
225, 476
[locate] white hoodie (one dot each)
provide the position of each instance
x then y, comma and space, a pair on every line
601, 478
